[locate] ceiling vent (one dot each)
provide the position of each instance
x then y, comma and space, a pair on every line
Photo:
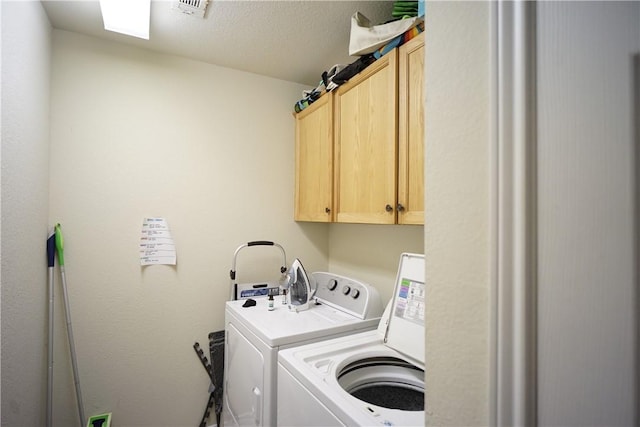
191, 7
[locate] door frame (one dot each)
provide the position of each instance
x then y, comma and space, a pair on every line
513, 371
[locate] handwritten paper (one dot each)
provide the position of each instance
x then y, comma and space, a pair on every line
156, 243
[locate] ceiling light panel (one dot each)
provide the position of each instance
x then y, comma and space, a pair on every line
130, 17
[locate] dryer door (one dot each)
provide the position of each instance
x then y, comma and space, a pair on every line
243, 388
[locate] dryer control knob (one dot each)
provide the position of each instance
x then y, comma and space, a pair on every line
355, 294
333, 283
346, 290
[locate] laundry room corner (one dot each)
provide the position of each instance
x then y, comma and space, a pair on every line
113, 132
138, 134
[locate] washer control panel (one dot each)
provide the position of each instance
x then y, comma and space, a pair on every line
349, 295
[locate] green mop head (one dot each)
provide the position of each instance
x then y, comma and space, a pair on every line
102, 420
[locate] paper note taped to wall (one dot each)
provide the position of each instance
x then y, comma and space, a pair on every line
156, 244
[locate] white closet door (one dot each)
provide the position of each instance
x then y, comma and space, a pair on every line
588, 187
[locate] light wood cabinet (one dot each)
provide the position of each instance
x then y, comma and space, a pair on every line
366, 141
314, 161
360, 148
411, 132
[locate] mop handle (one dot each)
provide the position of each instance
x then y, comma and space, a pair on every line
74, 363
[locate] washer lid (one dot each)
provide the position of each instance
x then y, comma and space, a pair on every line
405, 330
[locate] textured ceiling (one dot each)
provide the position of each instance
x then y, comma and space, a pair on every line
288, 40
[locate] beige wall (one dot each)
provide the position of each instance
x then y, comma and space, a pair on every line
371, 253
26, 52
457, 230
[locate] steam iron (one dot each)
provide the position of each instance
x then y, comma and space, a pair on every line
299, 294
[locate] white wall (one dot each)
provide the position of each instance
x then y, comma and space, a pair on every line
588, 138
457, 231
136, 134
26, 51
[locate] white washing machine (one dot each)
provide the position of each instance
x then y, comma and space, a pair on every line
255, 335
370, 378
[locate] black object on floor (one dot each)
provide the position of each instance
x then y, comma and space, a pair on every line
214, 368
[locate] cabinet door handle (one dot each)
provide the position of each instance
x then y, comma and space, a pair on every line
388, 208
327, 210
400, 207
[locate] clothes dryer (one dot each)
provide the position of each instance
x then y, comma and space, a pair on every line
366, 379
255, 334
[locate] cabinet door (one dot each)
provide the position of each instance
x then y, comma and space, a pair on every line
411, 132
314, 162
366, 145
